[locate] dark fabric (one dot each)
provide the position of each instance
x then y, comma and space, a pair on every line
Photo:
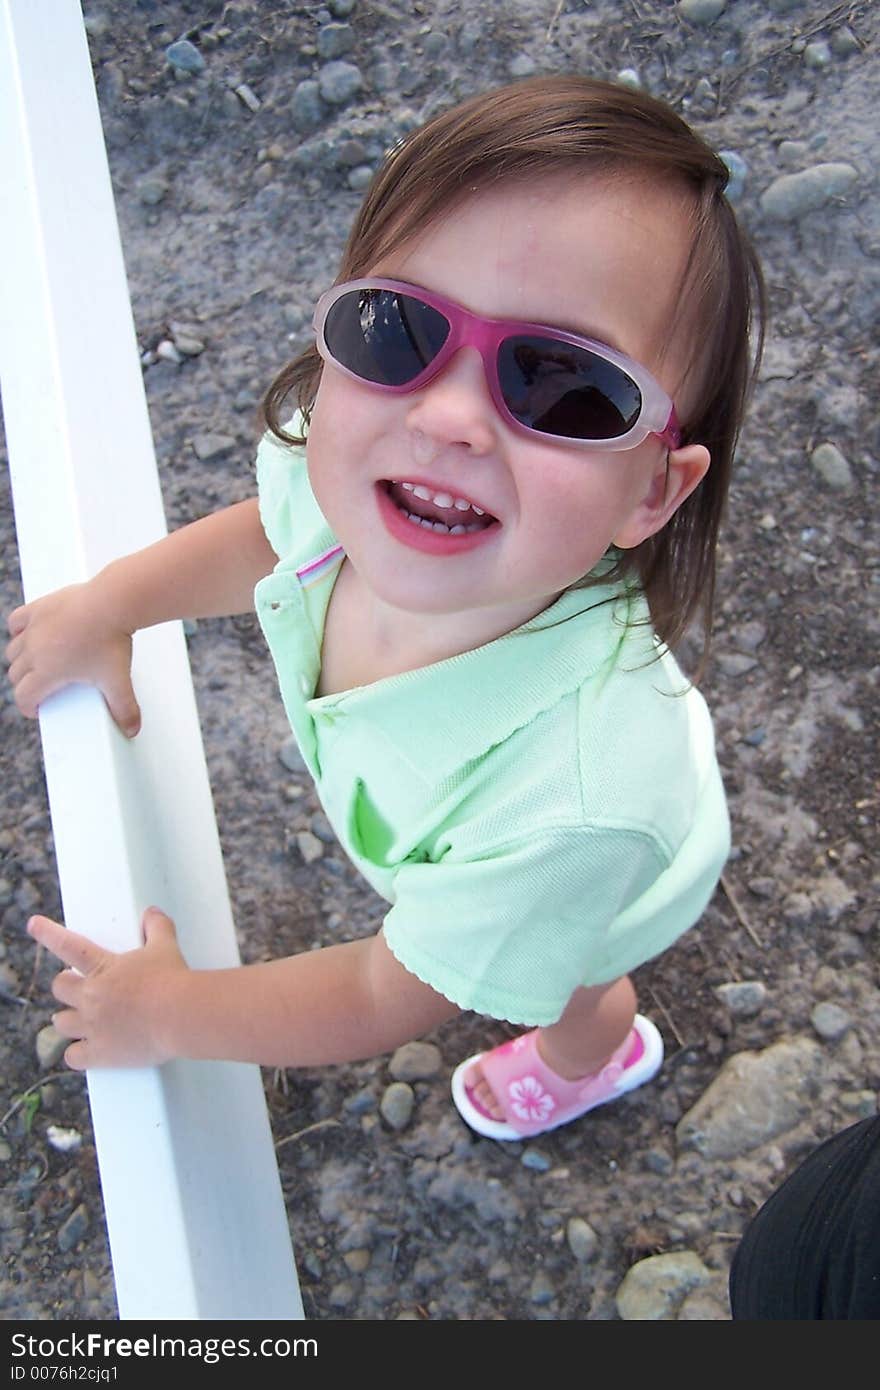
813, 1249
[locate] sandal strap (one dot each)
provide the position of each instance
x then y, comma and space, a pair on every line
532, 1096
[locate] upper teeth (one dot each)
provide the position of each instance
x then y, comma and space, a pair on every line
442, 499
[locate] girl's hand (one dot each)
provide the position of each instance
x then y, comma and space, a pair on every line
66, 637
115, 1003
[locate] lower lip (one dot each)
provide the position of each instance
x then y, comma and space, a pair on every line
420, 538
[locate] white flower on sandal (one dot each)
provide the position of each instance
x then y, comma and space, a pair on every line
529, 1101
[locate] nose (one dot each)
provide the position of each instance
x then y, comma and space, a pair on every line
455, 407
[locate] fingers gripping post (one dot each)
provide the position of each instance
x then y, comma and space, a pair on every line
195, 1213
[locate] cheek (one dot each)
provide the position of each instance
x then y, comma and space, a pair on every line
591, 491
326, 413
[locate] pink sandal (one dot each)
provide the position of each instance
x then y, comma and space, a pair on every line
534, 1099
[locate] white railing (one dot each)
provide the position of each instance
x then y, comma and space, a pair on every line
195, 1213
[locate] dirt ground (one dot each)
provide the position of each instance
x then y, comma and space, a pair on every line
234, 198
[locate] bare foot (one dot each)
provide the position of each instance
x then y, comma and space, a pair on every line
482, 1092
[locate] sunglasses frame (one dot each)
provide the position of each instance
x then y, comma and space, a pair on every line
466, 329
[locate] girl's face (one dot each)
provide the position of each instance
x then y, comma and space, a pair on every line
587, 256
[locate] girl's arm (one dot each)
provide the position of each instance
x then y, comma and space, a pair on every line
205, 570
83, 632
338, 1004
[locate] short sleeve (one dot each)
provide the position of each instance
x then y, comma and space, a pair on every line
292, 520
514, 933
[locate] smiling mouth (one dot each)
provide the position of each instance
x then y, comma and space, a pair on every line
440, 512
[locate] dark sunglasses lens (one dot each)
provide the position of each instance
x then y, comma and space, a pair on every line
383, 336
559, 388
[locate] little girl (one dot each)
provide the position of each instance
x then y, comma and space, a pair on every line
493, 512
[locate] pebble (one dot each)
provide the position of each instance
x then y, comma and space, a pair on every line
833, 467
96, 24
320, 826
791, 153
416, 1061
309, 846
342, 1294
830, 1021
762, 886
247, 96
397, 1104
522, 65
306, 107
736, 663
653, 1289
151, 190
738, 169
435, 45
211, 446
360, 178
361, 1103
536, 1159
844, 42
334, 40
338, 82
582, 1239
749, 636
659, 1161
291, 757
793, 195
357, 1260
340, 9
64, 1140
817, 54
744, 998
542, 1290
185, 57
754, 1098
701, 11
74, 1228
10, 983
860, 1104
628, 77
704, 1306
187, 345
50, 1047
798, 908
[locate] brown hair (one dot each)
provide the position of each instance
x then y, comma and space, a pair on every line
571, 124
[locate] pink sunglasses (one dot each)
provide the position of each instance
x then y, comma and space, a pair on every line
544, 382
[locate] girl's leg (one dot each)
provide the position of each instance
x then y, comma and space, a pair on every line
595, 1022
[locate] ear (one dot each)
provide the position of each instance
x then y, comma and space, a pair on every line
675, 478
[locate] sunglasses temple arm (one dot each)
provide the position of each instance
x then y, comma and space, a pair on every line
671, 435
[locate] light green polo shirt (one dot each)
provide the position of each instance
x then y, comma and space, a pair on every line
543, 812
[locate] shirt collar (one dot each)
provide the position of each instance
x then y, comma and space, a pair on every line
477, 699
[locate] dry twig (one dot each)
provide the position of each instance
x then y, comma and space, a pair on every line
669, 1019
309, 1129
556, 13
740, 911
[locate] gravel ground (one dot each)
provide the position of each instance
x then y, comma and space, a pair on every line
235, 186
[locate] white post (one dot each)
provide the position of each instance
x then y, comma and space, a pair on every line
195, 1213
